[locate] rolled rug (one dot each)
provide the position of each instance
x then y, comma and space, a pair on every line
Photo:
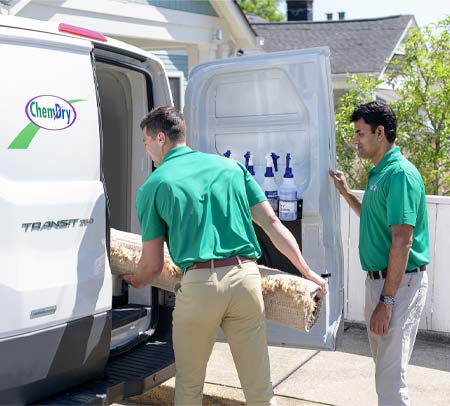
289, 300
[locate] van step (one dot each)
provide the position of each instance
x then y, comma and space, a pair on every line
124, 315
146, 366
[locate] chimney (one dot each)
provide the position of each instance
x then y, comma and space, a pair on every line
299, 10
329, 16
341, 15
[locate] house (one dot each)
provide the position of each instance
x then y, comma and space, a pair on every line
365, 46
182, 33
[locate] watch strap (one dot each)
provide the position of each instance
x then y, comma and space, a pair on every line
387, 300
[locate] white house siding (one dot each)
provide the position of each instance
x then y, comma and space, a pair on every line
201, 29
436, 316
177, 67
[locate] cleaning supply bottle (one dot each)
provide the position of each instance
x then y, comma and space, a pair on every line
227, 153
249, 163
269, 185
288, 194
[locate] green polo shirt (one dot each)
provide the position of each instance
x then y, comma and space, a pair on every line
395, 195
201, 204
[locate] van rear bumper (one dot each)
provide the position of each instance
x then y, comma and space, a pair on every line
146, 366
40, 363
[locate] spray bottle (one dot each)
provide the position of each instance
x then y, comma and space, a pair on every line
227, 153
249, 163
269, 186
288, 194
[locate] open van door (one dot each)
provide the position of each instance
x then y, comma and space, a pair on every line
282, 103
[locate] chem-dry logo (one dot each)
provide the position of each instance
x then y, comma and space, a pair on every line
47, 112
51, 112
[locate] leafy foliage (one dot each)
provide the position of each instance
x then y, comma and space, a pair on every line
363, 89
267, 9
420, 78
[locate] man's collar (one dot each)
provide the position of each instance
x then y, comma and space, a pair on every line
389, 157
176, 151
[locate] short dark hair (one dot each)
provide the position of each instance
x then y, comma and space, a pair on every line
377, 113
166, 119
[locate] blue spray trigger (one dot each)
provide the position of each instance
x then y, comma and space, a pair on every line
247, 158
249, 163
275, 161
288, 171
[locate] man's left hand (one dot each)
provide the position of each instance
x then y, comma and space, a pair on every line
381, 318
312, 276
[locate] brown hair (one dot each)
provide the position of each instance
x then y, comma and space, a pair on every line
377, 113
166, 119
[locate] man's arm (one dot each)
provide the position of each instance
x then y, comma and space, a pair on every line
150, 265
398, 260
284, 241
341, 184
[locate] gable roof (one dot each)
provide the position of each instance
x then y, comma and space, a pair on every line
357, 46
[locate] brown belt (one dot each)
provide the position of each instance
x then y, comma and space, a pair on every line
219, 263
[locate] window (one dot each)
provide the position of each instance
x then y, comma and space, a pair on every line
176, 82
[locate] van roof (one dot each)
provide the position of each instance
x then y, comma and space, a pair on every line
52, 27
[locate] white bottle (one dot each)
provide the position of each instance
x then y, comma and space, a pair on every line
288, 195
269, 185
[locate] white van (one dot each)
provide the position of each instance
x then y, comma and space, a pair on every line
71, 161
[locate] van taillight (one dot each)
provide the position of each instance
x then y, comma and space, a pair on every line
82, 32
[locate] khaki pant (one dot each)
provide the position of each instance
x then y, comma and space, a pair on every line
392, 352
231, 298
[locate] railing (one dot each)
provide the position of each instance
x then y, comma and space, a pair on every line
436, 315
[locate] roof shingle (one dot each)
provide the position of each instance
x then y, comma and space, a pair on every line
357, 46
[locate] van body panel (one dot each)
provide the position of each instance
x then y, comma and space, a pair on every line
52, 204
47, 361
72, 108
280, 102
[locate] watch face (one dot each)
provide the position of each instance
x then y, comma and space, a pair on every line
387, 300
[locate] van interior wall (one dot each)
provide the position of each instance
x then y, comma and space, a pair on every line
123, 100
115, 102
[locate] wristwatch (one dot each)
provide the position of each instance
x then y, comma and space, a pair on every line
387, 300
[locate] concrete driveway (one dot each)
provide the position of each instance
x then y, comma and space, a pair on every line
341, 378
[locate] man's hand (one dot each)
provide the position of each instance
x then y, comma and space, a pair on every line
340, 182
134, 280
381, 318
149, 266
285, 242
342, 186
312, 276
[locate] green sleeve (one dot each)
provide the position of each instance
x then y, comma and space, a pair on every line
402, 201
152, 226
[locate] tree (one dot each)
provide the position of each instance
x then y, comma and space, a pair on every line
421, 79
363, 89
267, 9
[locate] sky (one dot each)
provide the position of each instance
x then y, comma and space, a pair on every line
425, 11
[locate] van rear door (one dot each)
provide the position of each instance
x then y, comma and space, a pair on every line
280, 103
55, 288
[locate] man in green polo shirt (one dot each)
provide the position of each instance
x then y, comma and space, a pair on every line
202, 205
393, 247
